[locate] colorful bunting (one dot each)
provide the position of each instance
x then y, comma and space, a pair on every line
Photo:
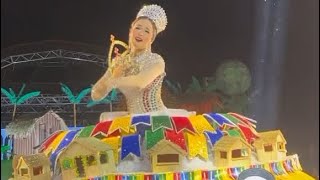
49, 140
287, 166
102, 127
158, 122
120, 123
234, 172
197, 174
218, 174
141, 129
200, 124
214, 136
152, 138
176, 138
181, 123
130, 145
86, 131
233, 119
234, 132
184, 176
244, 119
114, 142
144, 119
55, 143
249, 133
65, 141
204, 174
220, 119
197, 145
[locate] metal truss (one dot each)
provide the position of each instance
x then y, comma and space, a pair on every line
58, 103
43, 102
53, 54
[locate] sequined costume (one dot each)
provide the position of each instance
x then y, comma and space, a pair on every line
147, 99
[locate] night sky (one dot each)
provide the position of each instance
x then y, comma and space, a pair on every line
200, 35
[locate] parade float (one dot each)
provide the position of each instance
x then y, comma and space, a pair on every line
152, 142
207, 146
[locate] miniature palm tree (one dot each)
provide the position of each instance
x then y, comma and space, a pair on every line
18, 99
174, 87
196, 87
75, 99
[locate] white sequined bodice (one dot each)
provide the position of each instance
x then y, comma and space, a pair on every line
147, 99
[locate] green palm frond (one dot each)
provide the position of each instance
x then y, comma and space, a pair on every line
113, 95
174, 87
21, 90
179, 88
212, 87
13, 94
195, 86
68, 92
12, 97
27, 96
82, 94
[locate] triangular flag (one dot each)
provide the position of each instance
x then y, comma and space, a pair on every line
200, 124
181, 123
130, 145
120, 123
158, 122
152, 138
176, 138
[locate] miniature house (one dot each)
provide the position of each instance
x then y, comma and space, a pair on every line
166, 156
29, 131
270, 146
84, 158
232, 151
35, 167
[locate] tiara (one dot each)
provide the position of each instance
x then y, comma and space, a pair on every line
156, 14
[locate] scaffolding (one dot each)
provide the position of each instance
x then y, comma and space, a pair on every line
46, 102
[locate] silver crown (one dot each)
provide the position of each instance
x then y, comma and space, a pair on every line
156, 14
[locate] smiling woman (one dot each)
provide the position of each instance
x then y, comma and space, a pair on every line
139, 73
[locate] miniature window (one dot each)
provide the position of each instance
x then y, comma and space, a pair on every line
79, 166
281, 146
103, 158
168, 158
223, 155
37, 170
67, 163
42, 133
91, 160
24, 172
268, 148
239, 153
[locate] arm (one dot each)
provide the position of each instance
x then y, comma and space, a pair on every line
101, 88
142, 79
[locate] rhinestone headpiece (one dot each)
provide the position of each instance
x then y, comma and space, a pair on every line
156, 14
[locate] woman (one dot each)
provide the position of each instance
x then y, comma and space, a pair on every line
138, 74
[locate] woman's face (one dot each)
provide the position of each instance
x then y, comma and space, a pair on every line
141, 34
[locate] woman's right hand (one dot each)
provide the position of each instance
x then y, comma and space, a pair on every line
118, 71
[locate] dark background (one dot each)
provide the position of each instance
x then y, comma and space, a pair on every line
199, 36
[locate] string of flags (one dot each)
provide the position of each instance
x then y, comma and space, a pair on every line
287, 169
193, 134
